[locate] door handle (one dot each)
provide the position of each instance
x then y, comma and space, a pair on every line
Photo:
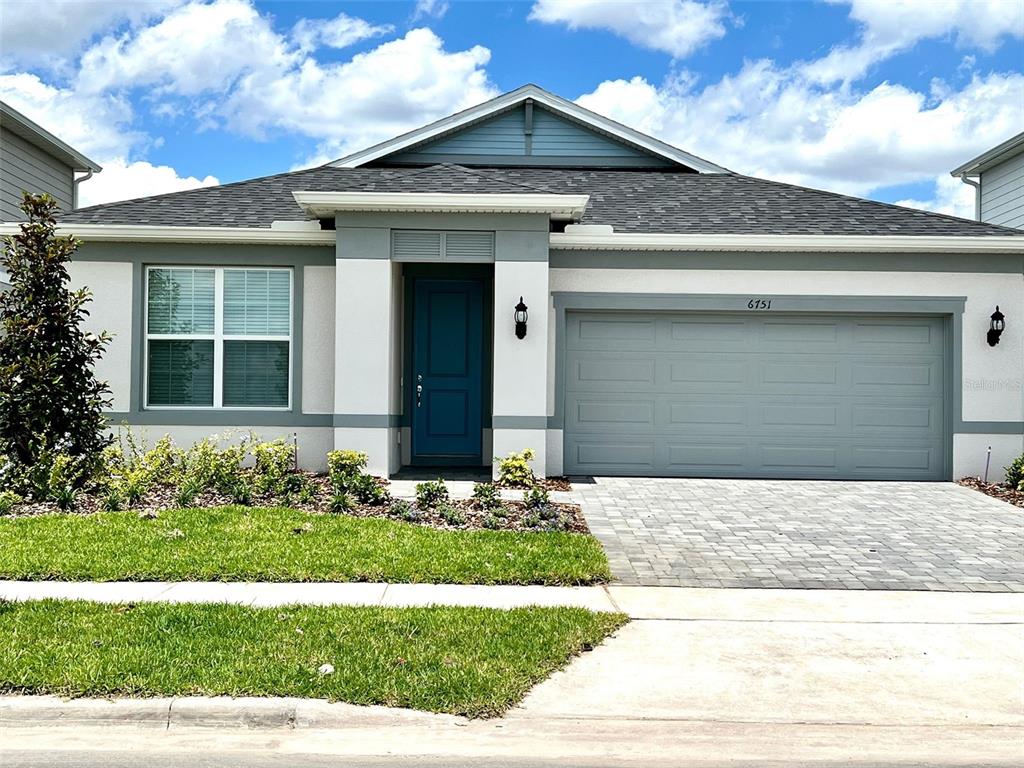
419, 390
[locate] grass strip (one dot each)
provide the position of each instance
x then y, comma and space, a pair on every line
281, 544
466, 661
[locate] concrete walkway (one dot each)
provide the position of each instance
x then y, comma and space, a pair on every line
651, 603
704, 677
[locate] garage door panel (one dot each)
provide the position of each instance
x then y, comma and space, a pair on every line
756, 396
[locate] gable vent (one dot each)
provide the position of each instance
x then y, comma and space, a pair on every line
414, 245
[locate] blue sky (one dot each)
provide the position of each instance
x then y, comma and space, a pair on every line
878, 98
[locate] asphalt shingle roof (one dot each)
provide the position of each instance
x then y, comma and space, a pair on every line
648, 201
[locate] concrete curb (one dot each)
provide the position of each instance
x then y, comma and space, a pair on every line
207, 712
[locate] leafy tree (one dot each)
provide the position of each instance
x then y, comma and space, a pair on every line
50, 400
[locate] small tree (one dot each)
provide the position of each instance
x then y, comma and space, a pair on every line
50, 400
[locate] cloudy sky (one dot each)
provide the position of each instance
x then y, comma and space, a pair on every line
877, 98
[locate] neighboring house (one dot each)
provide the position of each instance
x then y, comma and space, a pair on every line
998, 180
34, 160
682, 319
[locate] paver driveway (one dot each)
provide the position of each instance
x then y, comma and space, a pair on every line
805, 534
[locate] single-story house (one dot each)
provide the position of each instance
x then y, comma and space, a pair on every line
529, 274
998, 180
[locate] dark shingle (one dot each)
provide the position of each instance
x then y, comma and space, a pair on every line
629, 200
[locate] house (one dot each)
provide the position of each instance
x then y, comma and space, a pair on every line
34, 160
998, 180
529, 274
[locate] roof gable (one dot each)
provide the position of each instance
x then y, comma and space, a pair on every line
531, 127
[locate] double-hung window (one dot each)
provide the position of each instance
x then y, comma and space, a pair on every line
218, 337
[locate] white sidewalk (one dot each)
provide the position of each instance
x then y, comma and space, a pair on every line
663, 603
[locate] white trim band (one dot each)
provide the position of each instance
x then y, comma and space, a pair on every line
321, 204
141, 233
790, 243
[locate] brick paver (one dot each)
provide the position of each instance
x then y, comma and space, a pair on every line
805, 534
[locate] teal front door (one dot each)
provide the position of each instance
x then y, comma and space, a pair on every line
447, 372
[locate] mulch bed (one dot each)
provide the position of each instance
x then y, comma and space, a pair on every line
512, 515
560, 483
997, 490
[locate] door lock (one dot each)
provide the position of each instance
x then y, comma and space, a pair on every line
419, 390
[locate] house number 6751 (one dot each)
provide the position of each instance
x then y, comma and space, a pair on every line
759, 304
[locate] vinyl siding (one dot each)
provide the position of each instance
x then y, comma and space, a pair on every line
555, 141
23, 166
1002, 193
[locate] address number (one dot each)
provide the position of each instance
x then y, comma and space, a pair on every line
759, 304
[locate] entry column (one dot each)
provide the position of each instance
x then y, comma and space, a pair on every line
519, 410
366, 348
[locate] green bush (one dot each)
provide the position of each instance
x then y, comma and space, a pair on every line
493, 522
1015, 474
344, 468
274, 460
431, 493
369, 491
536, 497
187, 492
514, 470
486, 495
451, 515
403, 510
299, 488
113, 499
50, 399
8, 501
342, 502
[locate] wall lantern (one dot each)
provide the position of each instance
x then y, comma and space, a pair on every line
521, 317
996, 327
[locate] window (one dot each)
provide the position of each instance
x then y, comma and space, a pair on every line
218, 337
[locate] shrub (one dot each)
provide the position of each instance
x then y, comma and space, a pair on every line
342, 502
299, 488
369, 491
536, 497
240, 491
135, 485
187, 492
514, 470
274, 460
344, 468
486, 495
1015, 474
451, 515
113, 499
431, 493
403, 510
8, 501
50, 398
492, 522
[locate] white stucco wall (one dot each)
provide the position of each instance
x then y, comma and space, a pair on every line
318, 340
993, 377
111, 311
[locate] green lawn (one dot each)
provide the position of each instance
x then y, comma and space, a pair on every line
258, 544
467, 661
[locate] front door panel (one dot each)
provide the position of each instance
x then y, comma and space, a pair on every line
447, 370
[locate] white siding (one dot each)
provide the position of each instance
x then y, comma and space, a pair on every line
1002, 193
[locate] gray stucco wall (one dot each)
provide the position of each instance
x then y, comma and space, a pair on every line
1002, 193
25, 167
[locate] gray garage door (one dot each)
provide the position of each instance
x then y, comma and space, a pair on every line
787, 396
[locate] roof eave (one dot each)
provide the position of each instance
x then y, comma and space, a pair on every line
998, 154
325, 204
36, 134
791, 243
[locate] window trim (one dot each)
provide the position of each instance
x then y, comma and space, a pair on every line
218, 337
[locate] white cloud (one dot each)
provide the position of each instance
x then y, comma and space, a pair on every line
677, 27
951, 196
395, 87
339, 32
42, 32
434, 8
772, 122
123, 180
893, 26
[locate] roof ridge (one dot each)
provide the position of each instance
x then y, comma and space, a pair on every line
854, 198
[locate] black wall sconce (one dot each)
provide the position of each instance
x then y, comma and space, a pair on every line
521, 316
996, 327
